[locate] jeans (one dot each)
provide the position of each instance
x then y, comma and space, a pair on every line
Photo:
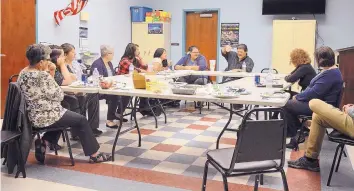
199, 80
326, 116
80, 127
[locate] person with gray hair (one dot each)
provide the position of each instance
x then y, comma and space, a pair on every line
43, 97
105, 68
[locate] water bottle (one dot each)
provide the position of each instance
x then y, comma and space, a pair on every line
269, 79
95, 77
131, 69
244, 66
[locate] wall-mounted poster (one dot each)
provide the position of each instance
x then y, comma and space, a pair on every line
230, 34
155, 28
83, 32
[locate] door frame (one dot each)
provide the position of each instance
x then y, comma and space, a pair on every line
184, 20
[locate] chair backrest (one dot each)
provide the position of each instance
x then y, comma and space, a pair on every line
11, 79
340, 96
260, 140
13, 101
266, 70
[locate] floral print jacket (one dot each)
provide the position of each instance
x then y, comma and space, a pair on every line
43, 97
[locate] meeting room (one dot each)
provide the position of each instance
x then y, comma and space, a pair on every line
180, 95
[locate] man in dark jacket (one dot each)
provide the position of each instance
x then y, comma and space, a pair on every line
235, 60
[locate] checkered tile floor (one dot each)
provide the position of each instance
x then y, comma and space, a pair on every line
178, 147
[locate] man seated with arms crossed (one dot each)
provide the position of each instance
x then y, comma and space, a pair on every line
324, 116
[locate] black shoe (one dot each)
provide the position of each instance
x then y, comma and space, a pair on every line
40, 149
96, 132
175, 104
56, 146
293, 144
118, 117
112, 127
75, 138
303, 163
237, 106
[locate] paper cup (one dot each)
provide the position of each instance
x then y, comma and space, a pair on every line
212, 65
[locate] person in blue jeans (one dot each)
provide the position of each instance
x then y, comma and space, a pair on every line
326, 86
193, 61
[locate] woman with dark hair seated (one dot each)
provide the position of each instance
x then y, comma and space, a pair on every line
326, 86
43, 96
160, 63
79, 103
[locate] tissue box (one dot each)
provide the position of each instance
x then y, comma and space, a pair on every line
138, 81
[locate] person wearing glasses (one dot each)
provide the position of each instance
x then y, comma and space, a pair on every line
43, 97
193, 61
105, 68
235, 60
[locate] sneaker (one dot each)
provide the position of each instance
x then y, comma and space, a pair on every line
303, 163
96, 132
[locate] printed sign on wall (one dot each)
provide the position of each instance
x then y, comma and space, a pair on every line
230, 34
155, 28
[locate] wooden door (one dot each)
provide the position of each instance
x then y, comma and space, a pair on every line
346, 66
18, 30
202, 32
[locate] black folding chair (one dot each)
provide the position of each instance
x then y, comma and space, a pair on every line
8, 137
342, 140
260, 149
266, 70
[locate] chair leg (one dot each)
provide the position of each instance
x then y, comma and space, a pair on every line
69, 148
205, 176
208, 105
226, 187
21, 164
340, 157
55, 151
153, 113
332, 168
256, 182
62, 134
345, 154
5, 160
261, 179
285, 182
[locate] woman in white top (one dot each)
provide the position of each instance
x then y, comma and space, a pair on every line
160, 63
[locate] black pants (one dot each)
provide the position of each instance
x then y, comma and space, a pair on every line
292, 94
80, 127
90, 104
79, 104
112, 102
292, 110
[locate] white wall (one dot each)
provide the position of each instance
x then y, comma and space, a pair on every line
336, 27
109, 24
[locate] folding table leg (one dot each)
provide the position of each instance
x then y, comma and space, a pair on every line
223, 130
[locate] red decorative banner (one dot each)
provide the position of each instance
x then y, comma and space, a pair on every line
72, 9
